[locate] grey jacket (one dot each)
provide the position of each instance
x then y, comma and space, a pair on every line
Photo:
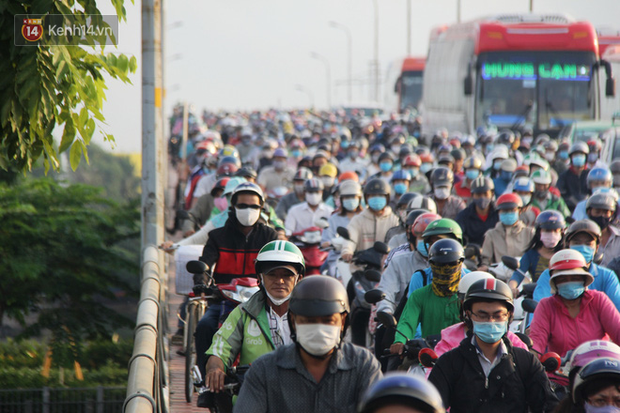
278, 382
397, 276
286, 203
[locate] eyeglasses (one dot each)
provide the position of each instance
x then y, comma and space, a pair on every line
486, 317
246, 206
602, 401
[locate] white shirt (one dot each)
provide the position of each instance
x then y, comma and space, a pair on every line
487, 365
280, 330
300, 216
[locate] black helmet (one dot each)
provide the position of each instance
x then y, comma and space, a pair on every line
605, 368
615, 166
602, 201
377, 186
318, 296
402, 389
246, 172
584, 225
580, 147
412, 215
442, 176
386, 155
405, 198
422, 202
550, 219
482, 184
490, 289
506, 137
446, 251
313, 185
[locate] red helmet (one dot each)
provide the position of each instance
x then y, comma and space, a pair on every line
421, 222
412, 160
427, 158
348, 175
509, 201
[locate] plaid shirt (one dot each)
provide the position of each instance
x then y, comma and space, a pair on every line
280, 331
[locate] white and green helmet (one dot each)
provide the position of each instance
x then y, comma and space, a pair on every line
279, 253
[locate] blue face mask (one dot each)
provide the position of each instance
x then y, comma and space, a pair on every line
563, 155
385, 166
344, 144
472, 174
603, 409
497, 164
421, 247
490, 332
400, 188
351, 204
571, 290
509, 218
578, 160
425, 167
505, 176
413, 172
377, 203
296, 153
585, 250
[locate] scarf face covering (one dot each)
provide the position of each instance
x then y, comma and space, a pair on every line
446, 279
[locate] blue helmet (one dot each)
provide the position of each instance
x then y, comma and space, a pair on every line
401, 175
523, 184
402, 389
377, 148
550, 219
600, 175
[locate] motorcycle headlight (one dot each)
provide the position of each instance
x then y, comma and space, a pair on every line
244, 293
312, 237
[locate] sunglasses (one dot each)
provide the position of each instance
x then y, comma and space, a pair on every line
246, 206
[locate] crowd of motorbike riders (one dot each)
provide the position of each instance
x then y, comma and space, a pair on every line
264, 191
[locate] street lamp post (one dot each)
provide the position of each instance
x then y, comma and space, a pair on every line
349, 57
308, 92
323, 59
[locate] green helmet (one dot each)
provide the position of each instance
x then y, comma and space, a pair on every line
444, 226
277, 254
541, 177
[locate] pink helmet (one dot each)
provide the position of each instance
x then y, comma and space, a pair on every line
589, 351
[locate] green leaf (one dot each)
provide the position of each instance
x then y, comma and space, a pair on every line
68, 136
75, 155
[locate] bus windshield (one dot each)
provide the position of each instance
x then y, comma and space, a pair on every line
542, 90
411, 90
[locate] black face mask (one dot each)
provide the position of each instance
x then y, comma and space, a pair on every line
602, 222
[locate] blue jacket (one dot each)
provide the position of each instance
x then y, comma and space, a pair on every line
605, 280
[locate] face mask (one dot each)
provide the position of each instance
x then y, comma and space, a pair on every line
602, 189
317, 339
497, 164
221, 203
482, 203
413, 172
472, 174
602, 222
377, 203
400, 188
490, 332
351, 204
442, 193
509, 218
247, 217
344, 144
563, 155
327, 181
446, 279
314, 198
299, 188
425, 167
353, 154
374, 158
396, 148
246, 142
385, 166
592, 157
526, 199
550, 239
279, 165
604, 409
540, 194
488, 149
505, 176
571, 290
296, 154
550, 156
578, 160
585, 250
421, 247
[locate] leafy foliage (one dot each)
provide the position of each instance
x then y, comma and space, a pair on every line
59, 248
48, 87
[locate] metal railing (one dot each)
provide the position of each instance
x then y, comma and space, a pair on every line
71, 400
147, 385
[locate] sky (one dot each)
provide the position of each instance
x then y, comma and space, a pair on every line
249, 54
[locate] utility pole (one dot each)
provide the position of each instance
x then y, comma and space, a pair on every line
376, 93
408, 27
349, 56
152, 141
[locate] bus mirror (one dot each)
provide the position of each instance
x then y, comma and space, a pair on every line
397, 84
610, 87
468, 85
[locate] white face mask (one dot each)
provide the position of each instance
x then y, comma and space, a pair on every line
442, 193
317, 339
247, 217
313, 198
327, 180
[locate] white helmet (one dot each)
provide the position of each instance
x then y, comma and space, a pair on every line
349, 187
568, 262
469, 279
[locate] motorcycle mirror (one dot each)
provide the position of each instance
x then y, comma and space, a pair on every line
386, 319
372, 275
381, 247
427, 357
321, 223
183, 214
526, 340
343, 232
528, 289
510, 262
598, 258
196, 267
529, 305
374, 296
551, 361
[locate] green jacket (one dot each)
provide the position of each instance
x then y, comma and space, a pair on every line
552, 202
245, 333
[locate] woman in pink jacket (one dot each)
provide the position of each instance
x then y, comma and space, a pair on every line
573, 314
